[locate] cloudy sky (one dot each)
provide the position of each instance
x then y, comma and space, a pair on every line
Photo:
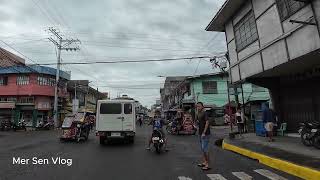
116, 30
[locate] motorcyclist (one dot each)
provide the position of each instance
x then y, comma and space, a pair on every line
157, 124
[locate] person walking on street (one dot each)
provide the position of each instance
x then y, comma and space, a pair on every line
268, 121
204, 133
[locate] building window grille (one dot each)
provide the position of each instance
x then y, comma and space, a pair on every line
288, 7
26, 100
209, 87
3, 81
23, 80
12, 99
245, 31
46, 81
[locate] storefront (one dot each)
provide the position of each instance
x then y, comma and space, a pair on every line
7, 111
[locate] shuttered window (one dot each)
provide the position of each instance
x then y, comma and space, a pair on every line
209, 87
22, 80
245, 31
288, 7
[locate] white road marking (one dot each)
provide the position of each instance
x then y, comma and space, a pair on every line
216, 177
242, 175
269, 174
184, 178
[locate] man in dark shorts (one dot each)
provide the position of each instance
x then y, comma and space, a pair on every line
204, 133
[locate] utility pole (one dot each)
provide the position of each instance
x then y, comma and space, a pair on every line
61, 44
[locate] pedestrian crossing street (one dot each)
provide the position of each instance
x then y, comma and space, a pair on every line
242, 175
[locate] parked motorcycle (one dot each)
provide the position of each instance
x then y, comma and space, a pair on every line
187, 128
173, 127
158, 141
20, 126
310, 134
6, 125
45, 125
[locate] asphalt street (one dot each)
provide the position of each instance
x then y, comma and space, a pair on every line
118, 161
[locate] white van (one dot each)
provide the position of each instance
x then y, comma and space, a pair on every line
116, 120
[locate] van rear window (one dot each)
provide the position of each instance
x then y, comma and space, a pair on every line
127, 108
110, 108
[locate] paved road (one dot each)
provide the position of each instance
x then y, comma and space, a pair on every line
121, 161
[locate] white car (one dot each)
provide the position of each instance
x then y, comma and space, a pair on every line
115, 119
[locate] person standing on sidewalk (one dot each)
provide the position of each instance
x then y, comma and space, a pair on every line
268, 121
204, 133
240, 120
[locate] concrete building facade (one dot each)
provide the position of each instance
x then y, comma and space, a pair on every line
275, 44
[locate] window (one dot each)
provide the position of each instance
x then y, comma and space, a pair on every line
13, 99
287, 8
45, 81
127, 108
26, 100
110, 108
23, 80
209, 87
256, 88
245, 31
3, 81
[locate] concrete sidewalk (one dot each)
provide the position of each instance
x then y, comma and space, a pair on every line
286, 153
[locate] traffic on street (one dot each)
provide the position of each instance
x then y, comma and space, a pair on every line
89, 160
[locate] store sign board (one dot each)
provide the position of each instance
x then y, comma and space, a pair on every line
7, 105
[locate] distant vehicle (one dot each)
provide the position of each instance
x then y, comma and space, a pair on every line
115, 120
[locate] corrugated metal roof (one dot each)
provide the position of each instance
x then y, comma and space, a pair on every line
33, 69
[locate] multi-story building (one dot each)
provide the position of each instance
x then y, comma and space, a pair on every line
81, 96
167, 99
27, 92
275, 44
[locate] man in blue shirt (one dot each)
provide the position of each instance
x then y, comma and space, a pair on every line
157, 124
268, 121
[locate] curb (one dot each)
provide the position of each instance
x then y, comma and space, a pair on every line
285, 166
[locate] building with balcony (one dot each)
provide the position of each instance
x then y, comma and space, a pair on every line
82, 97
275, 44
27, 92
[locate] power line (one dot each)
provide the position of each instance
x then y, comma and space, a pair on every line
131, 61
214, 37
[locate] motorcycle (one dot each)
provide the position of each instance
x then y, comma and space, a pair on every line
187, 128
157, 140
20, 126
6, 125
45, 125
173, 127
310, 134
